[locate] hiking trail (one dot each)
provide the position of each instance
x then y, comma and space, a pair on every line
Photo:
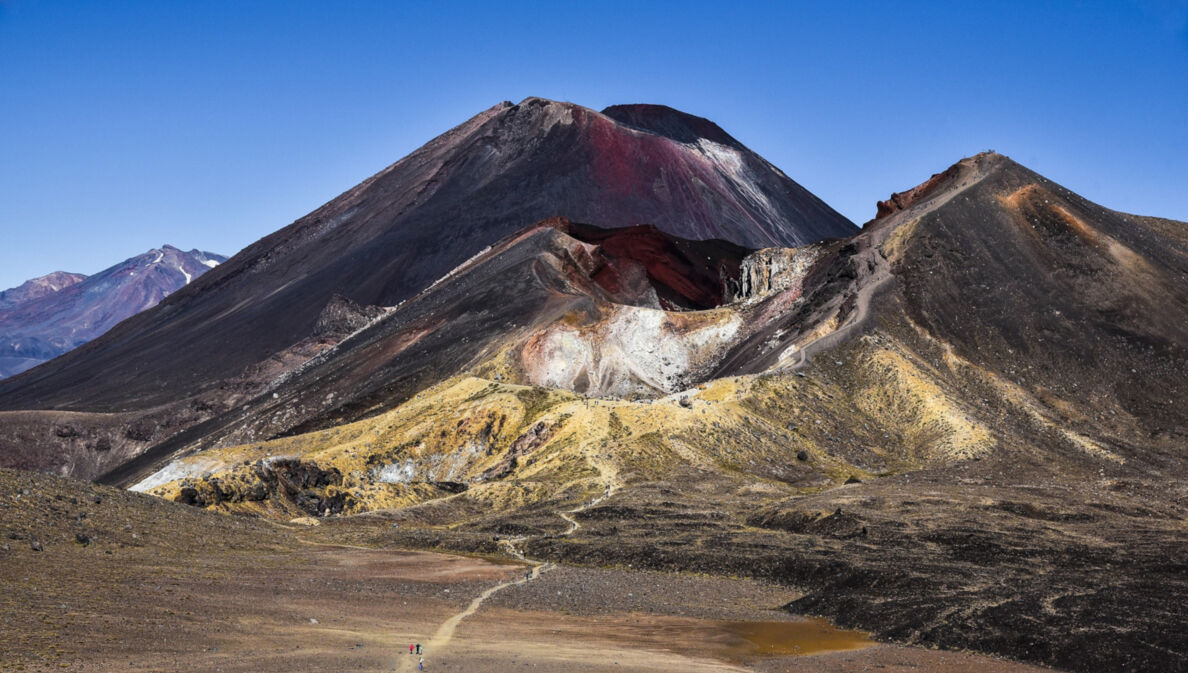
444, 633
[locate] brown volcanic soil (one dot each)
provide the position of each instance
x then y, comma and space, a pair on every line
161, 587
1085, 575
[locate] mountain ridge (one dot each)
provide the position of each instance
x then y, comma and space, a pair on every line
59, 312
35, 288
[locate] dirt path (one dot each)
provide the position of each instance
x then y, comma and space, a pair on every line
444, 633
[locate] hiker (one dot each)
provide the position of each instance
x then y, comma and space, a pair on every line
527, 575
418, 648
421, 664
410, 649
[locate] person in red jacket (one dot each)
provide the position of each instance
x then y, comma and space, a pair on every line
410, 649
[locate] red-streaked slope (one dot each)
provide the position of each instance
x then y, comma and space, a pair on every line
400, 230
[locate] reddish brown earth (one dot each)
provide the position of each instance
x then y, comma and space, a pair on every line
685, 274
904, 200
962, 427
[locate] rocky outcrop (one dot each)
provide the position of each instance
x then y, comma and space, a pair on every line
303, 484
906, 199
767, 271
525, 444
341, 316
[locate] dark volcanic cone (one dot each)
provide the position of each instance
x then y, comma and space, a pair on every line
398, 231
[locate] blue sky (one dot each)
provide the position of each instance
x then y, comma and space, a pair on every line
125, 125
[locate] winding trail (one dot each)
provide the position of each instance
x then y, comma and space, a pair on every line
444, 633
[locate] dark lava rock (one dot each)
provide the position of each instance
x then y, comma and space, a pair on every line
141, 431
189, 495
343, 316
450, 486
512, 529
82, 538
35, 545
853, 480
802, 455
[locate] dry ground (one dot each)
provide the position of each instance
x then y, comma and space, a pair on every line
162, 587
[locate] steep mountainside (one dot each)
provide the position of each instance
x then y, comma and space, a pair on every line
400, 230
963, 426
51, 315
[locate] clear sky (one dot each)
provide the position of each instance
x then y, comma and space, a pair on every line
126, 125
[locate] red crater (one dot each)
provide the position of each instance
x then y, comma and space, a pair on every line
685, 274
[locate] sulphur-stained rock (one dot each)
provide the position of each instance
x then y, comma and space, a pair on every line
961, 427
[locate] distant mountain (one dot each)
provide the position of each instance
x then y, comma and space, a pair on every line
39, 287
50, 315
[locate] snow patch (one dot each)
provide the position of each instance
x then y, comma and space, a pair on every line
209, 262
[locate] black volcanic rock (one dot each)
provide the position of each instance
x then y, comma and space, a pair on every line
342, 316
51, 315
400, 230
665, 121
997, 361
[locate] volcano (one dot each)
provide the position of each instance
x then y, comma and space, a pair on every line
621, 339
395, 233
